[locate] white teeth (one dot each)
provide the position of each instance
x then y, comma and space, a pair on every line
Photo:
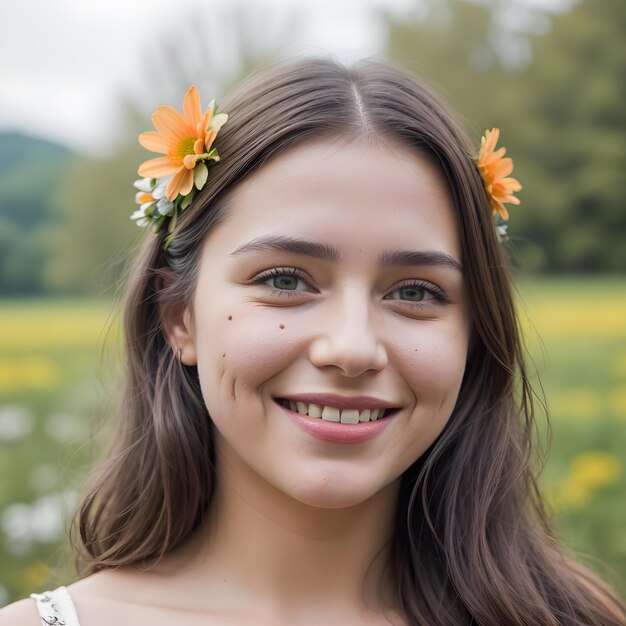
350, 416
315, 410
331, 414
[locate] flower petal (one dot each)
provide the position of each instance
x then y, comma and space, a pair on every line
219, 120
175, 184
140, 218
491, 139
187, 183
144, 184
141, 197
203, 124
165, 207
155, 168
159, 191
494, 170
189, 161
171, 124
155, 142
173, 187
502, 168
512, 184
495, 156
210, 138
191, 107
511, 200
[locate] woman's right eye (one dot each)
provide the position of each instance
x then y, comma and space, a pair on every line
283, 280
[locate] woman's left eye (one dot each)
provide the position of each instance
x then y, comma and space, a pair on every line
417, 292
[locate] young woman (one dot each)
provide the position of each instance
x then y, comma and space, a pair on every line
326, 417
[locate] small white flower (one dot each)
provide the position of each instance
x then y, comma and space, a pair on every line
501, 232
159, 190
155, 189
144, 184
164, 206
140, 217
144, 205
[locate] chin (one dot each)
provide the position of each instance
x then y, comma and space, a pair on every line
334, 493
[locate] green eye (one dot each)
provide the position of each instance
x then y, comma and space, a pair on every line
416, 294
285, 282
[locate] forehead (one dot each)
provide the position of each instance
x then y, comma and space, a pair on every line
358, 196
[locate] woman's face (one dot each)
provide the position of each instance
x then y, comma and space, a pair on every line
333, 272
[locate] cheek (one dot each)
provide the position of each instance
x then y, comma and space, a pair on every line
240, 348
433, 363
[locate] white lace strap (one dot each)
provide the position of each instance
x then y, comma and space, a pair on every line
56, 607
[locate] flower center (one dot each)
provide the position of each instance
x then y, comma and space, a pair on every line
184, 147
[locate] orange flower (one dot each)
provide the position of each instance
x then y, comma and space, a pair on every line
494, 170
185, 140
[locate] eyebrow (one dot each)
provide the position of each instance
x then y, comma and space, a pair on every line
326, 252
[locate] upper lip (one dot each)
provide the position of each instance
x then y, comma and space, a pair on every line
341, 402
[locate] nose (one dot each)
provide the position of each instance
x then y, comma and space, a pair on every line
349, 339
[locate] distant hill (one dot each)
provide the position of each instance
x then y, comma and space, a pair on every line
31, 172
17, 149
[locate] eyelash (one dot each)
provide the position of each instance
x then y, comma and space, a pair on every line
437, 293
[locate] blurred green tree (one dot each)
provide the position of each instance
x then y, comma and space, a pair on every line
575, 130
90, 249
554, 85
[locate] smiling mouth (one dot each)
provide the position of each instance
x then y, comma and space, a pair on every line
335, 414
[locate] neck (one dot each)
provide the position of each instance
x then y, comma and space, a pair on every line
264, 552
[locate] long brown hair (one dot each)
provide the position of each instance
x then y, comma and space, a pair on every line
473, 543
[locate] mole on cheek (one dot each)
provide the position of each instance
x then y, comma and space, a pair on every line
230, 317
223, 355
281, 326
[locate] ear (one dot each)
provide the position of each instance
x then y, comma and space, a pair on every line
178, 330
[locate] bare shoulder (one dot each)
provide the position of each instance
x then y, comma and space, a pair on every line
98, 600
124, 597
23, 612
93, 598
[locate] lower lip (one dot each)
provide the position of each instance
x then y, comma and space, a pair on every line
336, 432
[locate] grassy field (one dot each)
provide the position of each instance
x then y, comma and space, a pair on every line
57, 364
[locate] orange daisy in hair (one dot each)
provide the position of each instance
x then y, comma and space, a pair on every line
494, 169
185, 140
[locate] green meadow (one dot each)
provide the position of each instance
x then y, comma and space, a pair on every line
58, 364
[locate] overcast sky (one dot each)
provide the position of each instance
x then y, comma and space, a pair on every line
64, 63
